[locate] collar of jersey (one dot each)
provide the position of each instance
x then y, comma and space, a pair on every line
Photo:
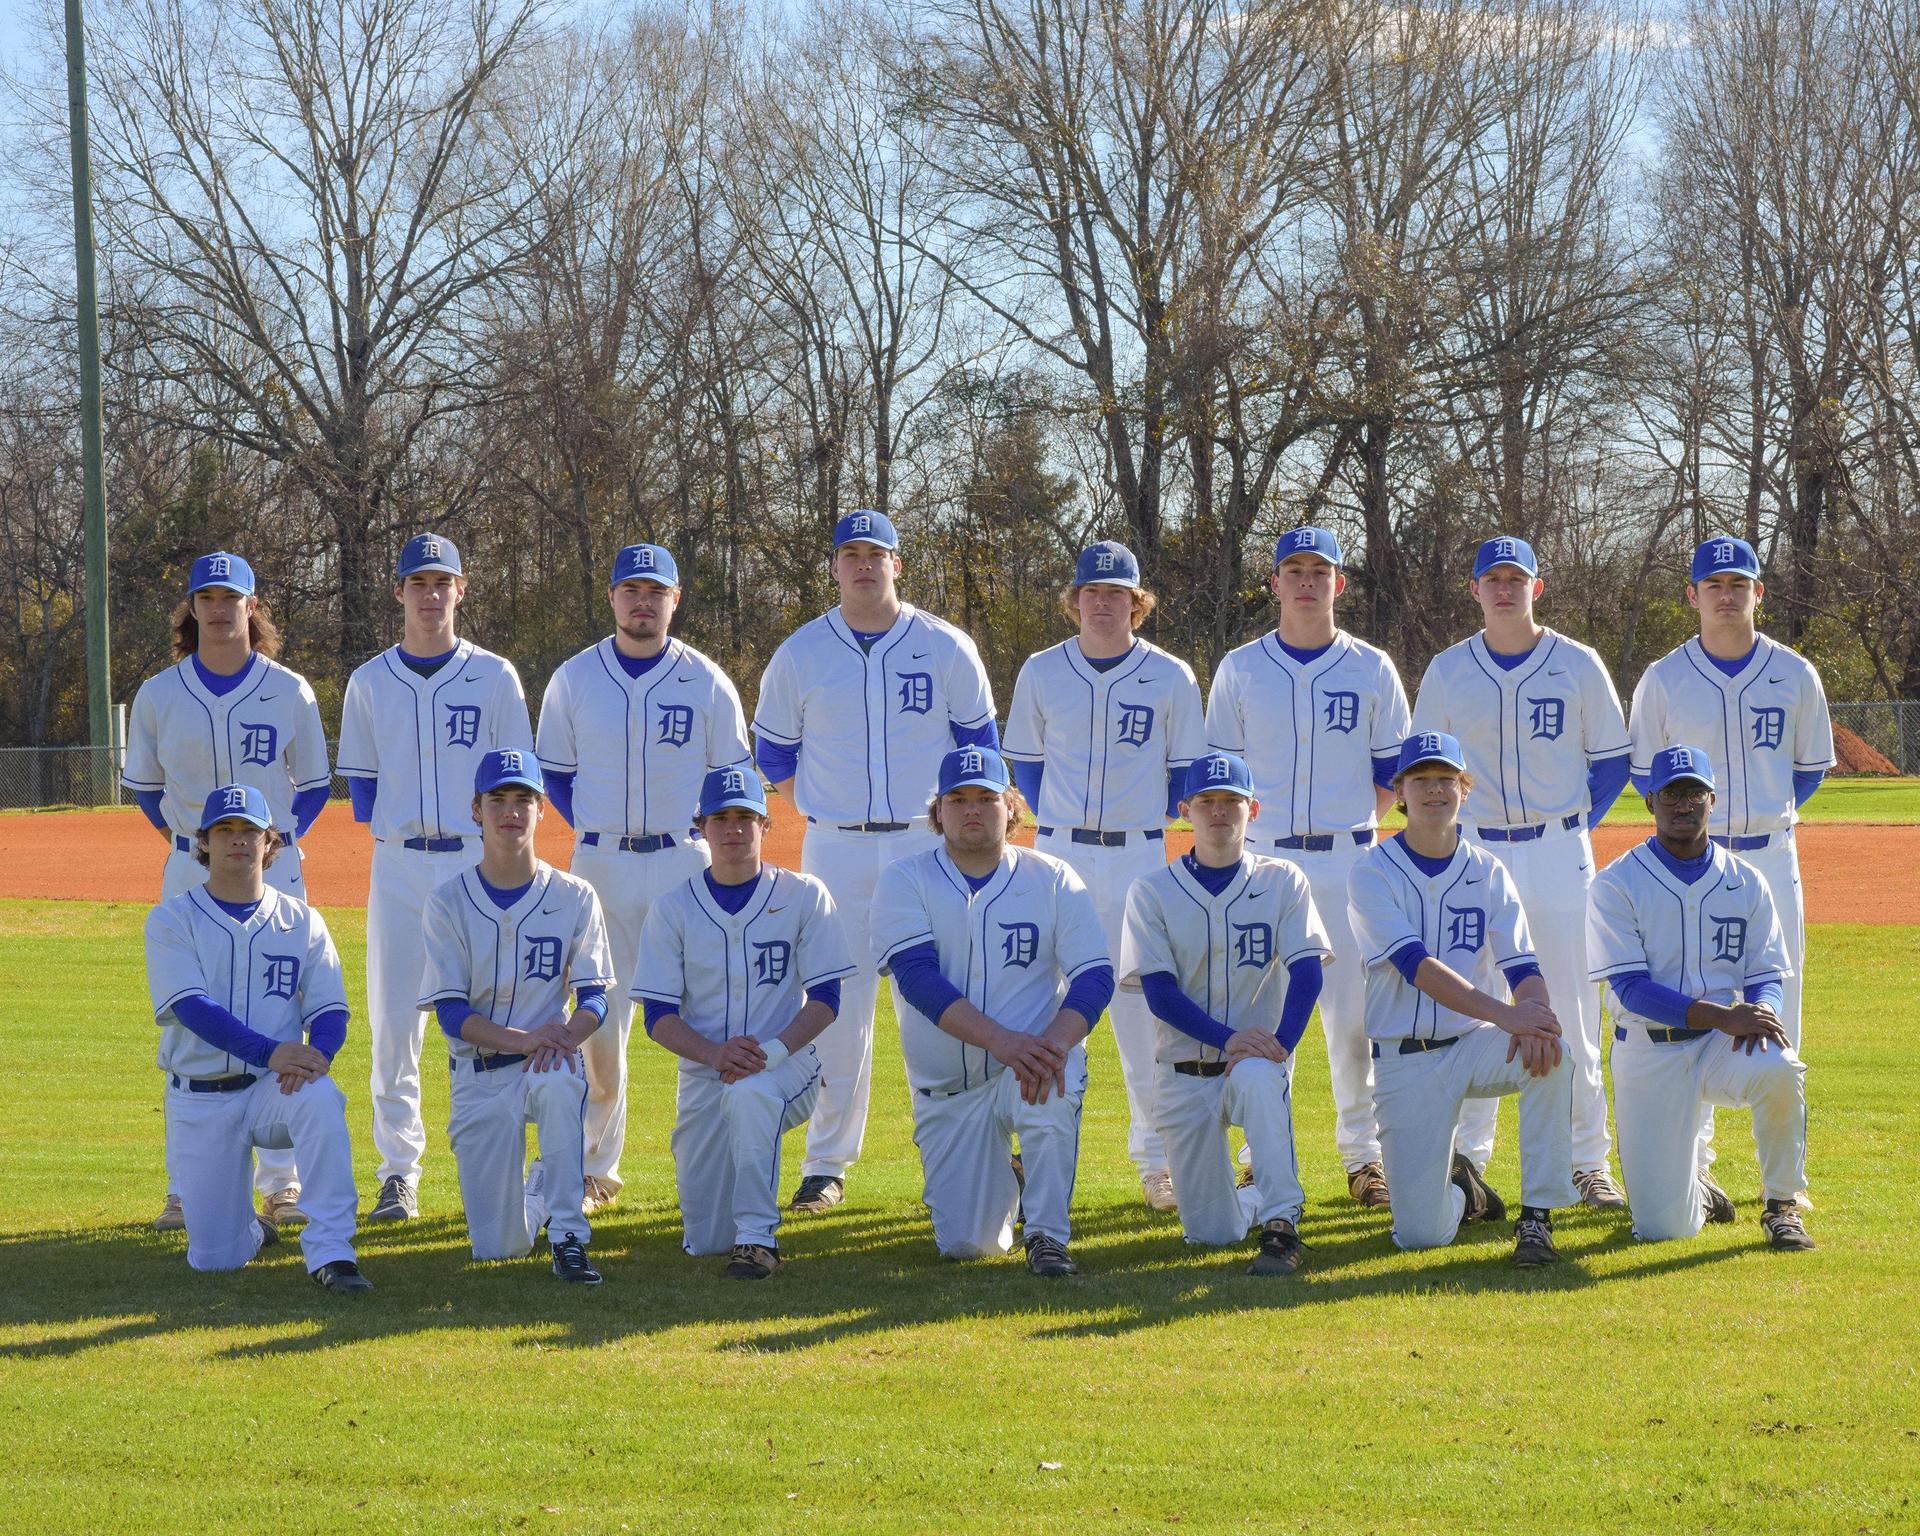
534, 893
1199, 892
1703, 663
1130, 662
1270, 648
1392, 847
836, 621
756, 904
251, 677
1513, 677
996, 882
267, 913
462, 650
1717, 870
610, 659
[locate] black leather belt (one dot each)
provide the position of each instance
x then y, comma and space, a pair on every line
1322, 842
653, 842
1095, 838
435, 844
1201, 1068
874, 826
1526, 834
1665, 1036
485, 1063
215, 1084
1417, 1047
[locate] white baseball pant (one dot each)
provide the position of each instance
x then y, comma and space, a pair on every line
403, 879
1658, 1088
1418, 1097
627, 884
209, 1136
1343, 999
966, 1144
726, 1150
487, 1129
1108, 874
1194, 1114
848, 864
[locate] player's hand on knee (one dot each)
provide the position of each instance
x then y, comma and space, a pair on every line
1754, 1025
1539, 1054
1531, 1017
1252, 1044
742, 1056
296, 1064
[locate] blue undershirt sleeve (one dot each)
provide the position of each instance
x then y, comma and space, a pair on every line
1089, 993
654, 1009
364, 792
1406, 959
1385, 764
1805, 782
1516, 974
328, 1033
1772, 993
827, 992
1027, 778
987, 735
592, 999
452, 1013
1174, 1008
1305, 977
221, 1030
1640, 993
776, 759
917, 970
1605, 779
1176, 786
560, 793
149, 801
307, 806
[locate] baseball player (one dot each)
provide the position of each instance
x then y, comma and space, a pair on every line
1100, 734
247, 992
1686, 935
1438, 919
627, 730
1228, 950
739, 971
506, 942
1002, 969
856, 709
1546, 743
226, 712
416, 722
1319, 717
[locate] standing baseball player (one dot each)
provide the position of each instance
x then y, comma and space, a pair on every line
1100, 734
1228, 950
739, 971
1439, 921
1686, 935
226, 712
856, 709
506, 942
247, 992
1319, 717
417, 720
628, 728
1002, 969
1546, 743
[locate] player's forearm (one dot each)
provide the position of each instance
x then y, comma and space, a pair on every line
970, 1026
678, 1036
1068, 1029
1531, 989
483, 1034
1451, 990
807, 1025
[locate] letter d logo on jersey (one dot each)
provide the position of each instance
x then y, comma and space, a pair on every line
1729, 938
1343, 711
463, 725
257, 743
916, 692
1769, 725
543, 960
1549, 717
1020, 943
676, 726
1253, 944
1466, 928
279, 975
771, 962
1135, 725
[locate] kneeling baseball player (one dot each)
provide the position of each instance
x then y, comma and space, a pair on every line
247, 991
506, 942
1003, 970
1437, 918
1228, 949
1687, 937
739, 969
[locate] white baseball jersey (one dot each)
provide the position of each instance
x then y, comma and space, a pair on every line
1711, 939
640, 746
1468, 917
871, 725
1012, 947
1107, 739
517, 967
1308, 733
423, 737
187, 742
1229, 952
1528, 732
276, 972
741, 973
1757, 728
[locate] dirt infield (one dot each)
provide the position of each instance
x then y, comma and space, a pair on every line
1854, 873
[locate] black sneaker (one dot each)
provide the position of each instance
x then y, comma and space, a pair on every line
341, 1277
1019, 1166
1279, 1249
1047, 1257
752, 1261
570, 1262
1482, 1203
818, 1192
1719, 1202
269, 1229
1533, 1239
1784, 1230
397, 1202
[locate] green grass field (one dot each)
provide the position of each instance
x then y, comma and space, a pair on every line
870, 1386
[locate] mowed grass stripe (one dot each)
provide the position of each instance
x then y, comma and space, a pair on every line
871, 1386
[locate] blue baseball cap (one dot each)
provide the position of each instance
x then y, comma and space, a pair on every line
1430, 747
1106, 564
1724, 556
1309, 541
1505, 551
966, 766
725, 788
1218, 770
645, 562
222, 568
1674, 763
429, 552
865, 527
236, 802
508, 765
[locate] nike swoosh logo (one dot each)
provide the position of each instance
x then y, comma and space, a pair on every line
548, 911
683, 679
919, 655
1556, 671
471, 677
1144, 677
266, 698
1776, 679
772, 910
1474, 881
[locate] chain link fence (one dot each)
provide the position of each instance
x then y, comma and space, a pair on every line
1890, 728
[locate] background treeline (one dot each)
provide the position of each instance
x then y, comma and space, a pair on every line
1022, 273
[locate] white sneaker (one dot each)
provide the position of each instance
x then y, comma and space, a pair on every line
1156, 1187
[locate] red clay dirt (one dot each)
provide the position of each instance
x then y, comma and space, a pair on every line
1854, 873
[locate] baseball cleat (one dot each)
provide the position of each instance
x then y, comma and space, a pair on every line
1156, 1188
269, 1232
1784, 1230
1597, 1189
282, 1207
752, 1261
1533, 1239
818, 1192
1047, 1257
397, 1202
171, 1217
570, 1262
1368, 1185
1244, 1179
1482, 1203
1279, 1249
341, 1277
599, 1195
1719, 1202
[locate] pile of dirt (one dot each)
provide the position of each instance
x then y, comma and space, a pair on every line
1857, 757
